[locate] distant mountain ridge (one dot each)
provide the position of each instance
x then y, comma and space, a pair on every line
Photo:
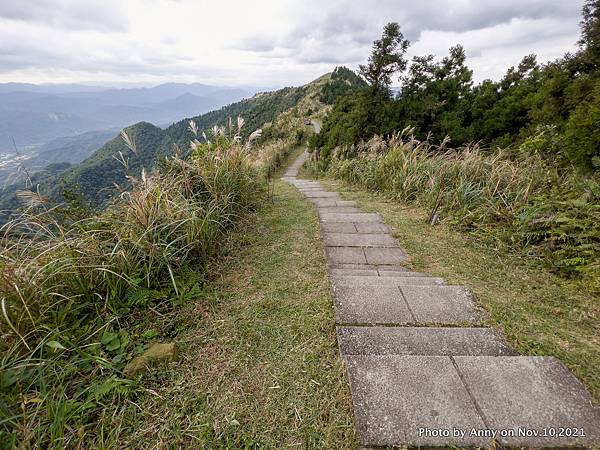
34, 115
96, 177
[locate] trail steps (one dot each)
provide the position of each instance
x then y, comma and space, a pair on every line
422, 370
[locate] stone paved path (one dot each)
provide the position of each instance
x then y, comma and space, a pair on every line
422, 371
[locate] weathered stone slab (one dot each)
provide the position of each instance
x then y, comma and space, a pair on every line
367, 266
533, 393
427, 341
346, 203
350, 217
385, 255
310, 188
358, 240
320, 202
321, 194
353, 280
397, 398
345, 255
338, 227
403, 273
370, 305
373, 228
357, 272
441, 304
337, 209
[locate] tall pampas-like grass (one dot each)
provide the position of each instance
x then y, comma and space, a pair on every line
65, 285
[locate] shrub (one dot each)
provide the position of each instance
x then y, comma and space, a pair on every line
583, 133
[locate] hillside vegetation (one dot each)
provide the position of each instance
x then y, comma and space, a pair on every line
515, 161
78, 288
100, 177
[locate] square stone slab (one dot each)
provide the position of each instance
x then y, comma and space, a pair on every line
367, 267
351, 266
370, 305
320, 202
427, 341
373, 228
441, 304
345, 203
532, 393
358, 240
397, 399
321, 194
403, 273
337, 209
356, 272
353, 280
350, 217
345, 255
385, 255
338, 227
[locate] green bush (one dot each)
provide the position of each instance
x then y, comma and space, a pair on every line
583, 133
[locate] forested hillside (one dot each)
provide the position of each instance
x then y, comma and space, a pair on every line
98, 178
552, 108
516, 161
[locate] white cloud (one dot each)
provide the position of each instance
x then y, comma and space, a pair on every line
263, 42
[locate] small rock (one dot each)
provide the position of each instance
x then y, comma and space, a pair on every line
156, 353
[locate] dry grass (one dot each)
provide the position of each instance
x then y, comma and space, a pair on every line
260, 366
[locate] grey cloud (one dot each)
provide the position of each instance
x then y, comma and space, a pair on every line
340, 24
101, 15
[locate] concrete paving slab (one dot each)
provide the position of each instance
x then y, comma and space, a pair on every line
353, 280
373, 228
321, 194
345, 255
427, 341
368, 267
403, 273
346, 203
319, 202
350, 217
337, 209
338, 227
370, 305
358, 240
405, 400
357, 272
441, 304
385, 255
531, 393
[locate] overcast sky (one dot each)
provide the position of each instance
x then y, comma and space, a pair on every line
263, 43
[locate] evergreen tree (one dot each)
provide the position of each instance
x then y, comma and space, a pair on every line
590, 34
387, 58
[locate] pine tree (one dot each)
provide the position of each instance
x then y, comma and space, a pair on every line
387, 58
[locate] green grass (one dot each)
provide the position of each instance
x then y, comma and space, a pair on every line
539, 312
259, 365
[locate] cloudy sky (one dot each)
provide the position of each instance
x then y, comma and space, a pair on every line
263, 42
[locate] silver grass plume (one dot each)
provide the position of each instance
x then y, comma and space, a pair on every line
253, 136
193, 127
30, 198
129, 141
